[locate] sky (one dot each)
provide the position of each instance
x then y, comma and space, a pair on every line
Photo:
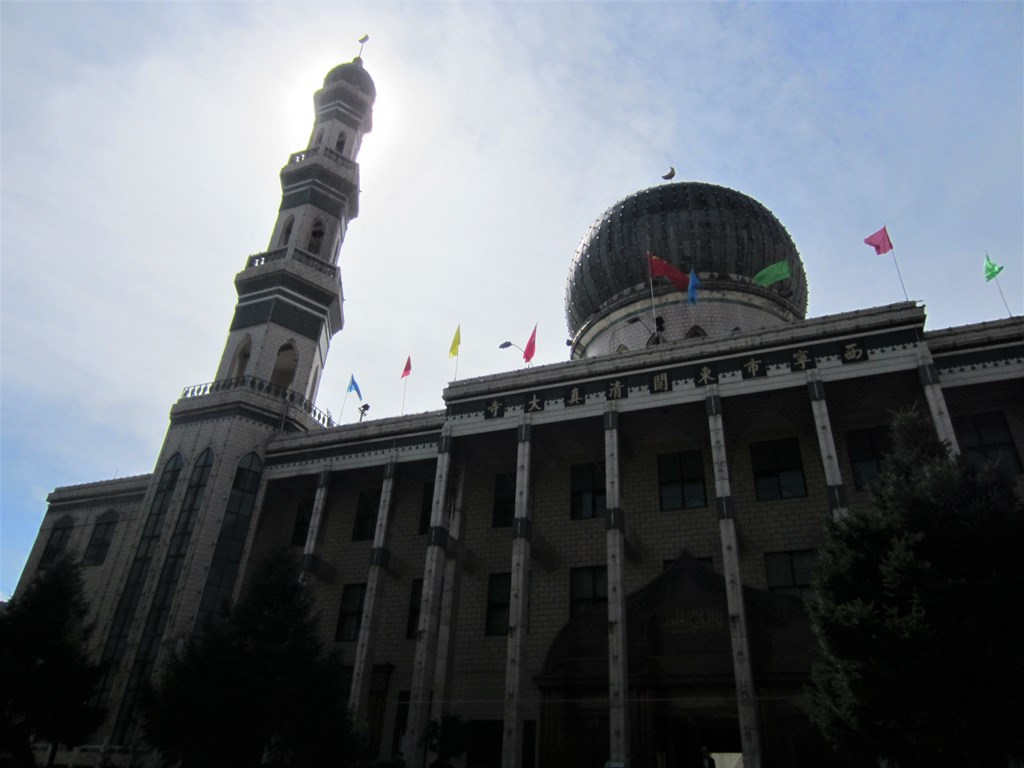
141, 145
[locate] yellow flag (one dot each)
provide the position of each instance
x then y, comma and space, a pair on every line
456, 340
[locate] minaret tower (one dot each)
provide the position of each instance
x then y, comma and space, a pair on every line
290, 297
193, 523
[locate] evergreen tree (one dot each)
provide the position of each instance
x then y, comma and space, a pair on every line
257, 689
46, 676
920, 646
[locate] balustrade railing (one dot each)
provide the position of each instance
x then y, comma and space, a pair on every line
263, 387
307, 258
330, 154
258, 259
299, 255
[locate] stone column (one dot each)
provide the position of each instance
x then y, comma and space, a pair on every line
449, 604
359, 696
315, 518
826, 445
929, 376
426, 635
750, 732
615, 526
518, 608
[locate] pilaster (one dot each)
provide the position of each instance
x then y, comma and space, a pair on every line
750, 732
518, 609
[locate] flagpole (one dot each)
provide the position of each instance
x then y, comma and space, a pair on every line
1003, 297
405, 387
893, 252
456, 366
654, 311
343, 401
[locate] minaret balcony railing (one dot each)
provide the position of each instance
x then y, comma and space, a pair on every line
335, 157
299, 255
263, 387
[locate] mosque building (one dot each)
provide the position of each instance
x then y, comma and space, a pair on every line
600, 561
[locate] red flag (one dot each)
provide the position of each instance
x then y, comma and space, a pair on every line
880, 241
661, 268
531, 346
408, 367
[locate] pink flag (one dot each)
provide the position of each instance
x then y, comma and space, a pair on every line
880, 241
408, 367
661, 268
531, 346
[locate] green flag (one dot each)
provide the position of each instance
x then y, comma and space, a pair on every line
773, 273
991, 269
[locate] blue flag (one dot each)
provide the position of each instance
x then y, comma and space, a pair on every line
353, 387
694, 285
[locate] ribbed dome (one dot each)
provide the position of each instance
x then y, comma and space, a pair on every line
723, 234
355, 75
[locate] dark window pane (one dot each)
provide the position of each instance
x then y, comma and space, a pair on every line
412, 622
588, 587
426, 507
366, 516
778, 470
681, 481
350, 617
504, 501
587, 492
985, 437
790, 572
499, 588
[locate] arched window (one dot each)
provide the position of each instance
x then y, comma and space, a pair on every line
124, 615
227, 554
160, 608
316, 238
696, 332
58, 541
339, 145
241, 361
319, 137
286, 231
284, 366
102, 536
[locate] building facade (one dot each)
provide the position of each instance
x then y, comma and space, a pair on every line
597, 561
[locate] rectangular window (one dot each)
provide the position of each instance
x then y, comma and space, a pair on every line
504, 501
588, 587
366, 516
426, 507
778, 470
300, 528
587, 492
412, 621
99, 543
790, 572
867, 449
351, 615
985, 437
681, 480
499, 589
